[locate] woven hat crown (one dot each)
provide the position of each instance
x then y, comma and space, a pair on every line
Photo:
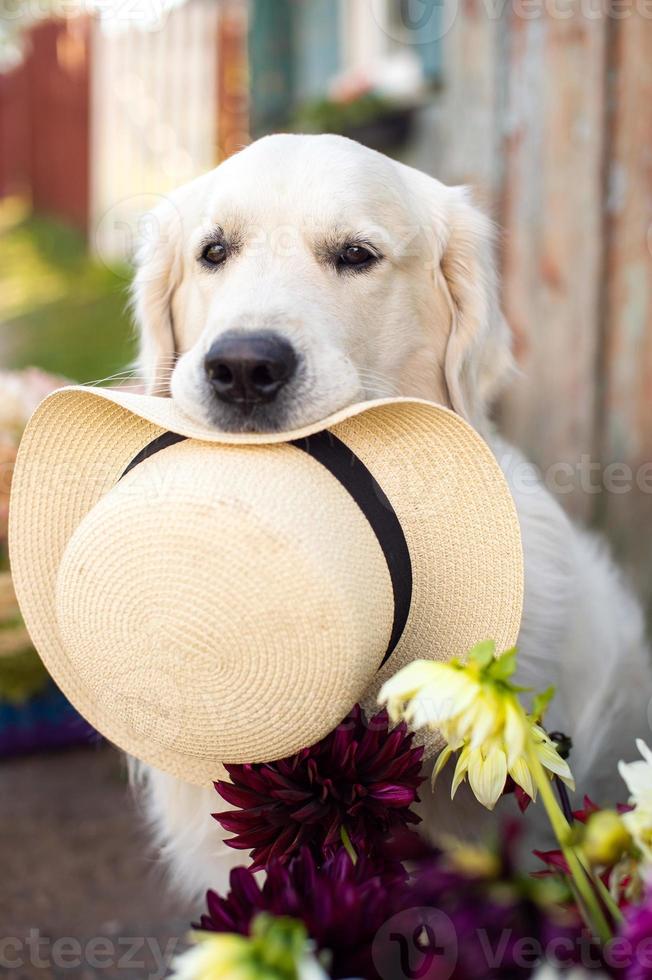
255, 609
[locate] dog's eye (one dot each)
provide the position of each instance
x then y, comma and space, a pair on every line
214, 254
356, 257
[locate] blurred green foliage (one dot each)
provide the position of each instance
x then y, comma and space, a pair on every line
22, 676
60, 309
335, 116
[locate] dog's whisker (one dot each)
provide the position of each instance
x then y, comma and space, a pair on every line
128, 375
111, 377
383, 384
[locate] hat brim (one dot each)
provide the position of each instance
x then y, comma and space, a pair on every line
440, 475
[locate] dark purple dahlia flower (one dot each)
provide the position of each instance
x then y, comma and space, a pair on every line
631, 957
361, 779
470, 915
342, 905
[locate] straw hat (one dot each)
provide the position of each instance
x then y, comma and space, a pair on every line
207, 598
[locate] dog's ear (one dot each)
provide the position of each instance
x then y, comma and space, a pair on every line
158, 273
478, 353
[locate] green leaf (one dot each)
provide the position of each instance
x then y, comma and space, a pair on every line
540, 703
279, 943
348, 844
22, 676
503, 666
482, 654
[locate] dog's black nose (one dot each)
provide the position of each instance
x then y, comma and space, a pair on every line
250, 368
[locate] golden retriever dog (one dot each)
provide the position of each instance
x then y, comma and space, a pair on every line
307, 273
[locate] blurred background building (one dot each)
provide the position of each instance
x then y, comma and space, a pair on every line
543, 106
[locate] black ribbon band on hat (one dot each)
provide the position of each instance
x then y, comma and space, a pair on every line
354, 476
358, 481
155, 446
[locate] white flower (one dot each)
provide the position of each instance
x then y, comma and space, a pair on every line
13, 411
214, 956
638, 775
476, 709
638, 778
278, 949
310, 969
20, 393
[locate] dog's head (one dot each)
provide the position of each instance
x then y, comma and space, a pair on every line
308, 272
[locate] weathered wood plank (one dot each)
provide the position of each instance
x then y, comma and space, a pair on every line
459, 139
627, 407
552, 257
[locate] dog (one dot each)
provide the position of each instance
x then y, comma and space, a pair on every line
306, 273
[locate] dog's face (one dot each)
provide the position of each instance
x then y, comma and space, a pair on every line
307, 273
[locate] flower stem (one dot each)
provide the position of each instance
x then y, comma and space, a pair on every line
348, 844
593, 911
562, 793
603, 891
609, 900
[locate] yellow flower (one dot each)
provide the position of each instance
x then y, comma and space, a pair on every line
470, 859
278, 949
477, 711
605, 838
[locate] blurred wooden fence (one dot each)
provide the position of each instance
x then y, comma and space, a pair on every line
44, 121
547, 108
103, 116
154, 117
